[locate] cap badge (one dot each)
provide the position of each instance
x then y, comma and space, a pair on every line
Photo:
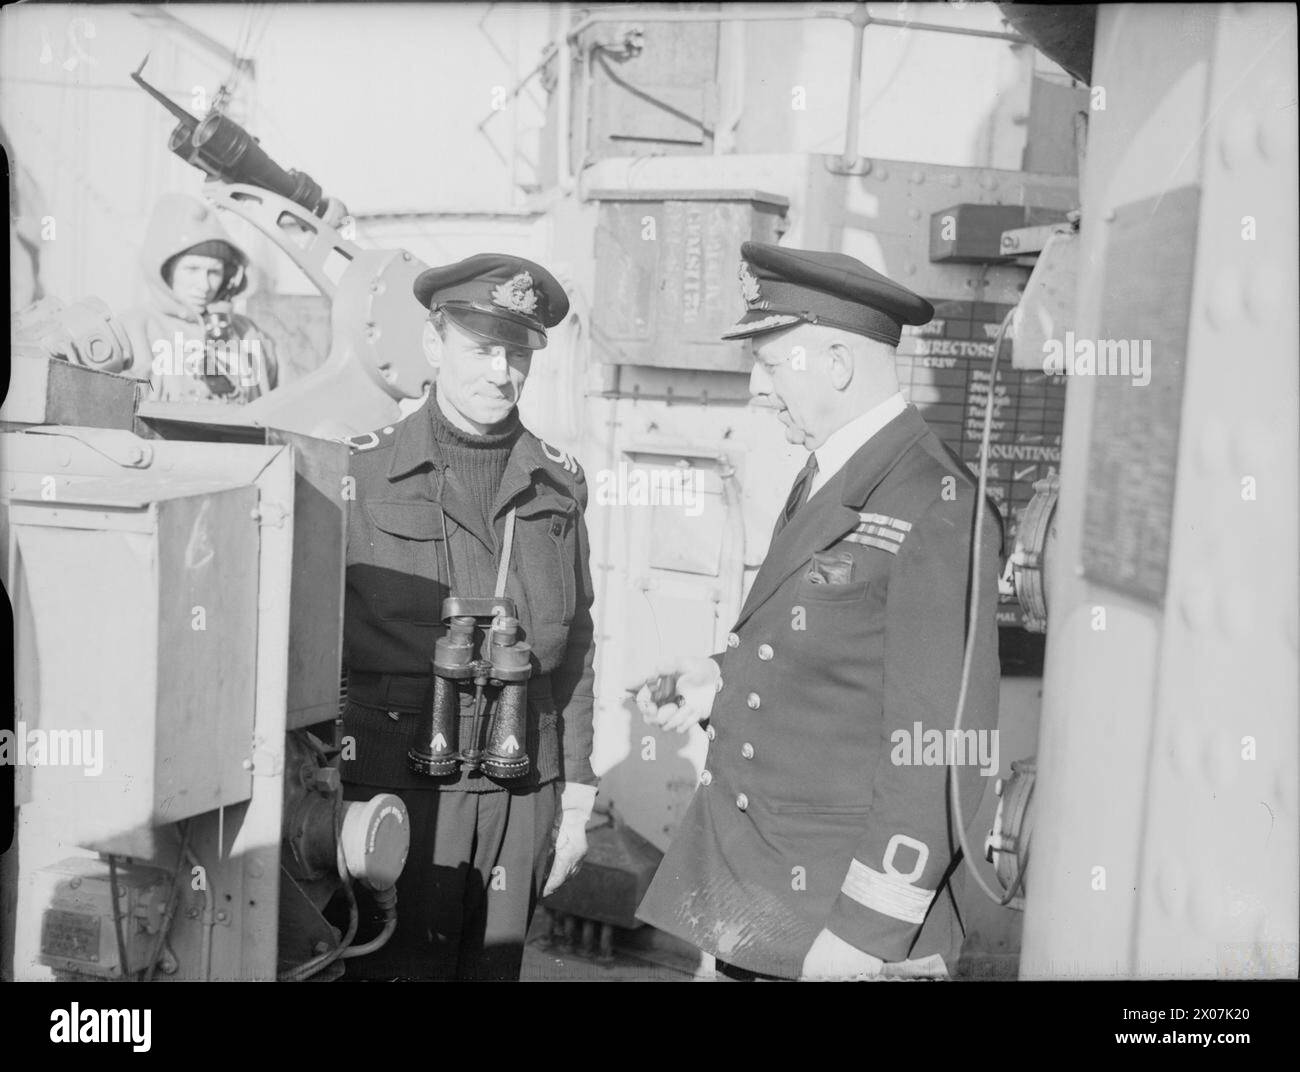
517, 295
748, 284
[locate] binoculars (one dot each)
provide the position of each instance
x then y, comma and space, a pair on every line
500, 678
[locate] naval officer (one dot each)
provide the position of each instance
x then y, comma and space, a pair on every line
456, 499
816, 846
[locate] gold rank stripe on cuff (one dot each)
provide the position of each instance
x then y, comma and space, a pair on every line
890, 895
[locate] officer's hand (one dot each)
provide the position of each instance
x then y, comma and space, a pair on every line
570, 848
832, 957
697, 685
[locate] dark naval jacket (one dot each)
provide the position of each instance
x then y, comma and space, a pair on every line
397, 557
811, 813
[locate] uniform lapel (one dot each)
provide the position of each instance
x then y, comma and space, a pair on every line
832, 513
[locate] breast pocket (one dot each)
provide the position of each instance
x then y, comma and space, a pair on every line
405, 574
548, 566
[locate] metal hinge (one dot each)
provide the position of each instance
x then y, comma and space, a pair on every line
270, 513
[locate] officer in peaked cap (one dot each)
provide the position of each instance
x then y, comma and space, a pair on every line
436, 494
819, 842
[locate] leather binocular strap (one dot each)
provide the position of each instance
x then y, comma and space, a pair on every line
503, 567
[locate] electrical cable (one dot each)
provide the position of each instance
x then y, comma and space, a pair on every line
117, 917
169, 911
973, 618
322, 961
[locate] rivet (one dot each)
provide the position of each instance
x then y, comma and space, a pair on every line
918, 177
914, 213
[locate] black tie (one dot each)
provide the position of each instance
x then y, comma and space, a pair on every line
798, 492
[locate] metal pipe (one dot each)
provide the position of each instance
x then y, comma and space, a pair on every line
209, 919
960, 31
859, 20
782, 16
563, 112
699, 16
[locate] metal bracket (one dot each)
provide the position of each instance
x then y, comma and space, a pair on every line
844, 165
264, 763
117, 445
270, 513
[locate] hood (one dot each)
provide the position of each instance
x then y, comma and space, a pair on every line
180, 222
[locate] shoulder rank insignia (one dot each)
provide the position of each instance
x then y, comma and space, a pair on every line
560, 457
366, 440
517, 295
881, 531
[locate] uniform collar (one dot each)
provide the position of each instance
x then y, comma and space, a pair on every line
417, 446
848, 439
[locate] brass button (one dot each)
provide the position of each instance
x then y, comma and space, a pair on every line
711, 733
742, 802
765, 652
706, 777
733, 641
747, 750
753, 701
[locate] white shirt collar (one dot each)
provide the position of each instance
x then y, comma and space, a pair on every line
848, 439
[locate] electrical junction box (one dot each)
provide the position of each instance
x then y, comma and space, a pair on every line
668, 285
77, 928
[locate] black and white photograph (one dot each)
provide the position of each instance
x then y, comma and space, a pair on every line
675, 492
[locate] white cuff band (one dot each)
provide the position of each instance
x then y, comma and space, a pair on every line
888, 894
579, 799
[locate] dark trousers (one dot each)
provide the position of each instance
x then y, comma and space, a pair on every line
472, 879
